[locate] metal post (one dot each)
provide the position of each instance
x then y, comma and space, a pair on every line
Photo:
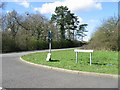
90, 59
50, 46
76, 57
50, 39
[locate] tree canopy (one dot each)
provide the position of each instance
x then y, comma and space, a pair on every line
67, 23
29, 32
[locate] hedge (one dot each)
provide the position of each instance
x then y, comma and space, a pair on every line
10, 45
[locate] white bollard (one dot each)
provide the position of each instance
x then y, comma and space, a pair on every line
48, 57
0, 88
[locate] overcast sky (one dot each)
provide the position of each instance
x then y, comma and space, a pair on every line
91, 12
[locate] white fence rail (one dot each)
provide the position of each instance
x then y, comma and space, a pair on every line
89, 51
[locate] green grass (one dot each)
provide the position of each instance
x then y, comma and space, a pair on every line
102, 61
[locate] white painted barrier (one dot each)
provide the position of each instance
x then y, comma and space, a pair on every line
89, 51
48, 57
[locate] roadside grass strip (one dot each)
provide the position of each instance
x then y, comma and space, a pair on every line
105, 62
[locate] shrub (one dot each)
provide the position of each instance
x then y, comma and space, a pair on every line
32, 44
42, 45
106, 36
8, 44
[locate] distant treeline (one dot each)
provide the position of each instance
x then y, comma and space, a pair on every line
30, 32
107, 36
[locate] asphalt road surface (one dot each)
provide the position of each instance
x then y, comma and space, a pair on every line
18, 74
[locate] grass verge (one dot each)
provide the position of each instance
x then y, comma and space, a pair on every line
102, 61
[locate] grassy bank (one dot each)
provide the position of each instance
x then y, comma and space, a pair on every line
102, 61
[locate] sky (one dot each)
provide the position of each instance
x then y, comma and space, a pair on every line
92, 12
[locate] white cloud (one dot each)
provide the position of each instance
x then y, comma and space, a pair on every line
25, 3
107, 0
8, 11
73, 5
48, 7
29, 0
98, 5
57, 0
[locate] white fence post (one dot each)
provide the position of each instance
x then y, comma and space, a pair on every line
90, 59
76, 57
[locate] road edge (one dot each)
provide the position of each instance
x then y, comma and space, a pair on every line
71, 71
